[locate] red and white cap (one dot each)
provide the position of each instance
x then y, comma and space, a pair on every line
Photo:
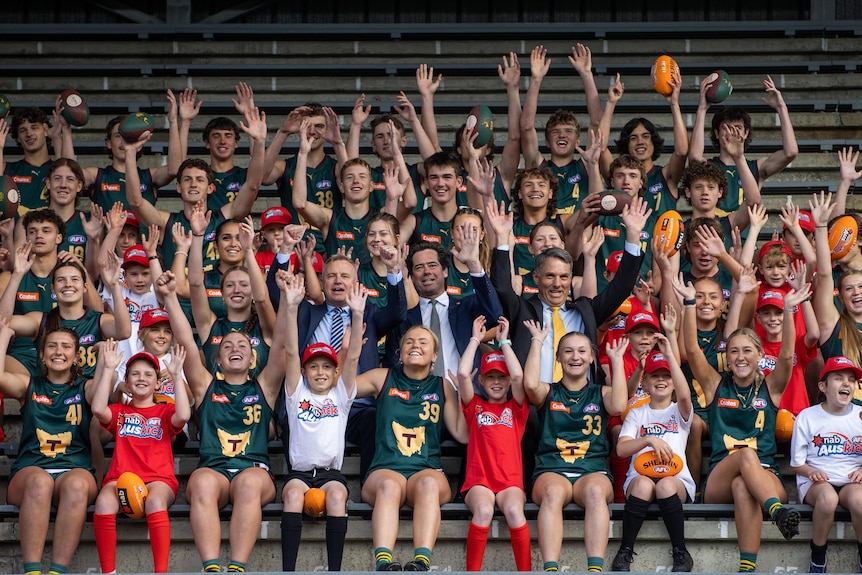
770, 297
297, 264
493, 361
614, 260
642, 317
275, 215
839, 363
146, 356
136, 255
131, 219
806, 222
154, 316
774, 244
319, 349
655, 361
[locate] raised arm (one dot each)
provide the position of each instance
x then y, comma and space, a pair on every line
789, 216
615, 92
779, 159
824, 305
408, 113
780, 376
535, 390
516, 372
255, 127
539, 66
510, 74
676, 164
797, 281
358, 117
180, 116
616, 397
468, 360
12, 385
104, 383
734, 143
696, 145
743, 300
758, 218
294, 293
427, 86
700, 367
317, 216
201, 313
848, 174
182, 409
146, 212
582, 61
357, 299
262, 304
117, 325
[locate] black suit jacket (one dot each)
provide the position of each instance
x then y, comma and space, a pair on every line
462, 312
594, 311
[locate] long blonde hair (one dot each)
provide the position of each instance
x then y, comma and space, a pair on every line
849, 334
759, 378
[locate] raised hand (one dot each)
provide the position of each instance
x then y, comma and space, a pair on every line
425, 82
151, 240
93, 226
110, 269
255, 124
773, 97
182, 240
200, 218
394, 187
747, 281
246, 234
292, 122
635, 216
484, 185
406, 110
166, 284
332, 133
357, 297
115, 219
510, 71
795, 297
616, 90
536, 330
360, 111
244, 98
479, 328
305, 139
710, 241
189, 105
502, 329
23, 261
581, 59
470, 239
847, 164
592, 241
108, 352
675, 83
175, 365
539, 62
821, 209
617, 350
669, 319
757, 216
594, 151
499, 220
789, 216
686, 290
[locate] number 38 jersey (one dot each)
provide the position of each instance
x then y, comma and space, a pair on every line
574, 432
88, 328
408, 424
56, 424
234, 423
322, 190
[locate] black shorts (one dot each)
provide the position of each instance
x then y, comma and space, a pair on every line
318, 477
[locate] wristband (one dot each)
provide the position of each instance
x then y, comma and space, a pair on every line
821, 227
534, 338
501, 343
151, 258
688, 302
475, 339
181, 253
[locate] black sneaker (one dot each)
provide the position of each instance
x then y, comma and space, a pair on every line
815, 568
623, 559
416, 566
682, 561
787, 521
391, 566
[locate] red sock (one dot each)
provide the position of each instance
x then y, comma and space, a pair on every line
619, 467
477, 539
105, 531
520, 537
160, 539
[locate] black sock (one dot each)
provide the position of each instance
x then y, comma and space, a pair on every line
291, 532
634, 514
336, 531
674, 520
818, 553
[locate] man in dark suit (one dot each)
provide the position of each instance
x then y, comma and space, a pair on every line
552, 305
428, 265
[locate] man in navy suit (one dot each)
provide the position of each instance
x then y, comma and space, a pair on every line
428, 265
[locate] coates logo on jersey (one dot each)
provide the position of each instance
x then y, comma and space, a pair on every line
310, 412
234, 186
324, 185
835, 443
135, 425
486, 418
87, 339
592, 408
574, 179
77, 240
758, 403
250, 399
405, 395
72, 400
43, 399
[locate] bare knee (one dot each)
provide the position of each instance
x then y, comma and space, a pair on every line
483, 512
336, 499
293, 497
642, 488
667, 487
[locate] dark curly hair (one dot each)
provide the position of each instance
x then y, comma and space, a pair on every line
657, 141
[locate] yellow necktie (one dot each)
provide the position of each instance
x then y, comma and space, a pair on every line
559, 331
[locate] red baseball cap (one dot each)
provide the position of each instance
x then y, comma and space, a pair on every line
275, 215
656, 361
493, 361
319, 349
774, 244
297, 264
146, 356
614, 260
839, 363
770, 297
642, 317
136, 255
806, 222
154, 316
131, 219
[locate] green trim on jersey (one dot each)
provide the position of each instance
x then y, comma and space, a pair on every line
75, 241
322, 190
348, 233
574, 185
220, 328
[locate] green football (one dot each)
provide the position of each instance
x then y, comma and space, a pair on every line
134, 126
481, 120
719, 87
9, 197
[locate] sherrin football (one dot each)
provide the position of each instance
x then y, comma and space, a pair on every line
9, 197
784, 421
663, 71
647, 463
668, 232
75, 109
132, 493
481, 120
842, 236
5, 106
613, 202
315, 502
718, 87
134, 126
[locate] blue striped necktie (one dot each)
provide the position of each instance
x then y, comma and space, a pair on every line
336, 332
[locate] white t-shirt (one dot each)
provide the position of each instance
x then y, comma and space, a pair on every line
137, 305
828, 443
317, 426
668, 425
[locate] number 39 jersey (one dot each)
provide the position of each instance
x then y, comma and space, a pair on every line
408, 423
574, 432
56, 424
234, 423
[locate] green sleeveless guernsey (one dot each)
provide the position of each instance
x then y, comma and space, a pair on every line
34, 294
458, 284
524, 260
377, 286
110, 187
56, 424
89, 334
717, 358
574, 438
735, 194
322, 190
348, 233
234, 424
30, 180
409, 422
210, 252
574, 185
430, 229
741, 417
227, 185
658, 195
75, 241
212, 283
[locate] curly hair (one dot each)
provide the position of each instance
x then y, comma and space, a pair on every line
543, 173
622, 143
730, 114
704, 171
